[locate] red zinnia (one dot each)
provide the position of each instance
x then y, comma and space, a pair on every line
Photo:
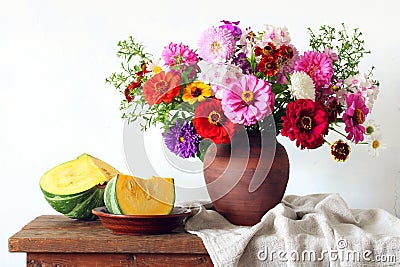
306, 122
162, 87
211, 123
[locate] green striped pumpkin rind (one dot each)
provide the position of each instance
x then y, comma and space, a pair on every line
77, 206
110, 198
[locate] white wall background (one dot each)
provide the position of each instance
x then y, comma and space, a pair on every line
55, 105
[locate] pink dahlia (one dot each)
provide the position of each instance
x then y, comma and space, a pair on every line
217, 45
174, 54
248, 100
317, 65
354, 117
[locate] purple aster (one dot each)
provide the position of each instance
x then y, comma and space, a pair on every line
182, 140
232, 28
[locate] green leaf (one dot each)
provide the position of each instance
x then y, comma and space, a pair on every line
203, 146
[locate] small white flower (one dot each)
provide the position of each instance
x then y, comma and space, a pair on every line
284, 35
302, 86
375, 144
276, 35
155, 65
371, 127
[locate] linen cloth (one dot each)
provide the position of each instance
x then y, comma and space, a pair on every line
311, 230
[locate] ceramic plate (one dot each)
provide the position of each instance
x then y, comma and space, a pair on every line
142, 224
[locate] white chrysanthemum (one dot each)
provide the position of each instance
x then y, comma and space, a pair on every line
302, 86
375, 144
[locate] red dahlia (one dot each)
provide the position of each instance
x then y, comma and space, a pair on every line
211, 123
306, 122
162, 87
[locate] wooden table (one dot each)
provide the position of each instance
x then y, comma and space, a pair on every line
55, 240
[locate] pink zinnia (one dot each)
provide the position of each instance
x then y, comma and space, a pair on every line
354, 117
217, 45
174, 54
318, 66
248, 100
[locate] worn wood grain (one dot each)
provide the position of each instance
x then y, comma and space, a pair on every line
79, 260
157, 260
59, 234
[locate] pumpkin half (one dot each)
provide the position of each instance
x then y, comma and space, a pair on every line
75, 187
131, 195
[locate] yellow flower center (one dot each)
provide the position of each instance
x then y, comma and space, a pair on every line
181, 139
214, 117
157, 69
216, 46
306, 123
375, 144
334, 88
247, 96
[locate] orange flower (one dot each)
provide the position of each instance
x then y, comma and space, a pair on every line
162, 87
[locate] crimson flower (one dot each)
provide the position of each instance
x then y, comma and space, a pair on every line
268, 65
211, 123
306, 122
162, 87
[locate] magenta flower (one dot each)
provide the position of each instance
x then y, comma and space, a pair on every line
331, 54
217, 45
248, 100
233, 28
354, 117
318, 66
174, 54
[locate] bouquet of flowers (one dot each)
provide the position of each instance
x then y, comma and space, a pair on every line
237, 77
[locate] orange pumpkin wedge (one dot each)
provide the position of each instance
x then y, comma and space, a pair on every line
130, 195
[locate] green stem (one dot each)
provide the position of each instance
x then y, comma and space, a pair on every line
331, 128
327, 142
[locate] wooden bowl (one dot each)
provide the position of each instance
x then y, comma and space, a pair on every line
142, 224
